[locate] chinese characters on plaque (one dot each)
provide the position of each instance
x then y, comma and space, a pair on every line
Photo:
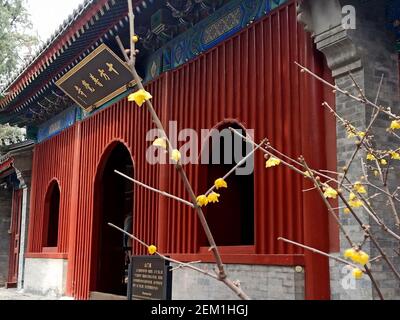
97, 79
150, 278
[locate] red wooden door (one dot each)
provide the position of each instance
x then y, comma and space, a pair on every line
15, 230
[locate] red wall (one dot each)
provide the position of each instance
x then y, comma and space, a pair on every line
52, 159
250, 78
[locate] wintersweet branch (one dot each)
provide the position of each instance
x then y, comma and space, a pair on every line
344, 92
370, 184
265, 150
283, 158
183, 264
374, 118
165, 194
241, 162
366, 268
317, 173
359, 143
386, 189
368, 232
222, 276
319, 252
311, 176
318, 185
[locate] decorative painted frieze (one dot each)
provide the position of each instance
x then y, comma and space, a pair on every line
59, 123
225, 22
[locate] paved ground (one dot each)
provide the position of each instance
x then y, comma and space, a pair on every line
13, 294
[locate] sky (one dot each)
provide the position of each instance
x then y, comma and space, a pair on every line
48, 15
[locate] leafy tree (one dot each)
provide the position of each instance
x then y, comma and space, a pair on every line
10, 135
16, 45
15, 41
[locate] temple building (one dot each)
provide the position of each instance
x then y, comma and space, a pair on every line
209, 64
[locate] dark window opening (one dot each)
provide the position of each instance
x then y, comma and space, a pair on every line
232, 219
52, 214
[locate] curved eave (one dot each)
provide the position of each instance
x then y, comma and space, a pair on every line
6, 164
102, 18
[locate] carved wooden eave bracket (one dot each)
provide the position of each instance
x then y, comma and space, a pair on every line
323, 19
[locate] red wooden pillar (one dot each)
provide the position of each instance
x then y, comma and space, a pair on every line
15, 232
315, 215
162, 232
74, 210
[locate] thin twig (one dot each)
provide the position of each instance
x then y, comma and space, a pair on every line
180, 266
359, 143
321, 253
282, 157
368, 232
187, 265
132, 31
375, 259
238, 165
346, 93
365, 202
365, 270
165, 194
318, 185
374, 283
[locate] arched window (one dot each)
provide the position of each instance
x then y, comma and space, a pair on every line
232, 219
51, 216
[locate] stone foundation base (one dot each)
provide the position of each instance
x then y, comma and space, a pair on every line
259, 282
45, 276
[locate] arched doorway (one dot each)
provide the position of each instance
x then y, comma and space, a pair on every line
113, 202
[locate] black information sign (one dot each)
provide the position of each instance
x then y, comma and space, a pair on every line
97, 79
150, 278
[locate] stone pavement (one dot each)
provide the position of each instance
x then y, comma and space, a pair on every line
14, 294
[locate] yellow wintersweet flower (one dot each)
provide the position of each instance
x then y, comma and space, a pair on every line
360, 257
135, 39
357, 274
220, 183
176, 155
359, 187
395, 155
272, 162
213, 197
202, 200
384, 162
376, 173
350, 134
364, 258
347, 211
395, 125
330, 193
152, 249
349, 253
361, 134
351, 131
140, 97
161, 143
371, 157
356, 203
